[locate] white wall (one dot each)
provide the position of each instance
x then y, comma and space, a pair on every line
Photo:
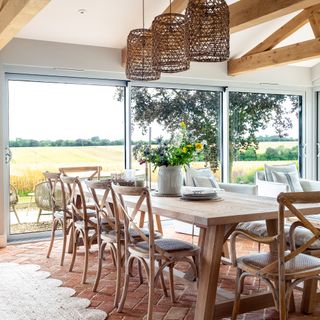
49, 58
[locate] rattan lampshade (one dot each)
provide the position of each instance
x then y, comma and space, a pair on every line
139, 56
170, 43
208, 29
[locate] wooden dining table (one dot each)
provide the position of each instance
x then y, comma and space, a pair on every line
217, 220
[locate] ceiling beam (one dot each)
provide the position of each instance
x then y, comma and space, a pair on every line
282, 33
248, 13
315, 24
15, 14
285, 31
177, 6
288, 54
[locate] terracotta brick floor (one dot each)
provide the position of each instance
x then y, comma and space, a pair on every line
136, 303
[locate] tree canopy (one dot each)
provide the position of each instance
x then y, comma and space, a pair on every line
201, 111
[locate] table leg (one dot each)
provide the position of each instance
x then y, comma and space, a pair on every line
272, 228
209, 272
309, 296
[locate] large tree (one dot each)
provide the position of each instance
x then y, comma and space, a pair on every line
201, 111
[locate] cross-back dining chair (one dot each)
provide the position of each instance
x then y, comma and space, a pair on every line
282, 270
61, 211
165, 251
83, 225
87, 172
108, 230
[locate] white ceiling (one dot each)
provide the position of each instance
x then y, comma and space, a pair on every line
107, 23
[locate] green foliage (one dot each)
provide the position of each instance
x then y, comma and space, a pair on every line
180, 150
94, 141
249, 113
271, 154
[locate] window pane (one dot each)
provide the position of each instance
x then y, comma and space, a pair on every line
159, 112
56, 125
264, 129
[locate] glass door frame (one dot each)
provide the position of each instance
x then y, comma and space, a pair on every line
46, 79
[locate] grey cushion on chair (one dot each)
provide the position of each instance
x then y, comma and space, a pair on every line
134, 234
168, 245
257, 228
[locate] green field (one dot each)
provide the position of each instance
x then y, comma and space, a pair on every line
28, 164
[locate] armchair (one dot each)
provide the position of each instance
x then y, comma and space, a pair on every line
272, 189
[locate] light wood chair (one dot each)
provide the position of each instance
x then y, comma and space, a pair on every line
111, 231
61, 210
82, 225
165, 251
86, 172
108, 230
283, 270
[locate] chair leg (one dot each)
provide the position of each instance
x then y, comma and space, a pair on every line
53, 231
237, 296
163, 284
140, 271
118, 280
16, 213
151, 288
171, 283
39, 214
75, 247
64, 241
86, 242
101, 251
125, 286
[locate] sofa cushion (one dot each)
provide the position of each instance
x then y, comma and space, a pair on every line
278, 168
289, 178
200, 178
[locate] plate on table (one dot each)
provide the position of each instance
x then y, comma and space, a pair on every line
196, 194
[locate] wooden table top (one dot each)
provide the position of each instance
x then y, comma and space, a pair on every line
234, 208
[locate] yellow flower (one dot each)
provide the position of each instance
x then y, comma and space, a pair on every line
189, 146
183, 125
184, 149
199, 146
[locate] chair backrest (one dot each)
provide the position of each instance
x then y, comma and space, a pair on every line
56, 190
42, 196
88, 172
13, 195
77, 198
100, 191
143, 203
288, 201
261, 175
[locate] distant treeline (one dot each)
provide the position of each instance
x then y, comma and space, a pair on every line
94, 141
274, 138
271, 154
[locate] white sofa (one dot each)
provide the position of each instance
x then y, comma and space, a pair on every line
272, 189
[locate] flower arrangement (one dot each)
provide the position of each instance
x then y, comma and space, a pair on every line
181, 150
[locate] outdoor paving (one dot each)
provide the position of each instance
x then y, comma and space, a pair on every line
136, 303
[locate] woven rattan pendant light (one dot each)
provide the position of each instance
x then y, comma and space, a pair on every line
170, 43
208, 30
139, 65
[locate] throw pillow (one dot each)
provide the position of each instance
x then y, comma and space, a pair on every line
289, 178
280, 168
204, 173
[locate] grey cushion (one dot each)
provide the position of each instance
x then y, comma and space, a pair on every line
134, 234
289, 178
257, 228
278, 168
168, 245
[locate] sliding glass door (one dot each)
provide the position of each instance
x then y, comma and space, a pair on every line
57, 122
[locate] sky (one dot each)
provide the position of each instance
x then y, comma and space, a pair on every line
41, 111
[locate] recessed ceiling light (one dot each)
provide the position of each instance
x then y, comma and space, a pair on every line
82, 11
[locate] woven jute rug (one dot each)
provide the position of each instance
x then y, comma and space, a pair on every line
29, 294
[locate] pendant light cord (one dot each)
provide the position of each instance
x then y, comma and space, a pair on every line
143, 14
